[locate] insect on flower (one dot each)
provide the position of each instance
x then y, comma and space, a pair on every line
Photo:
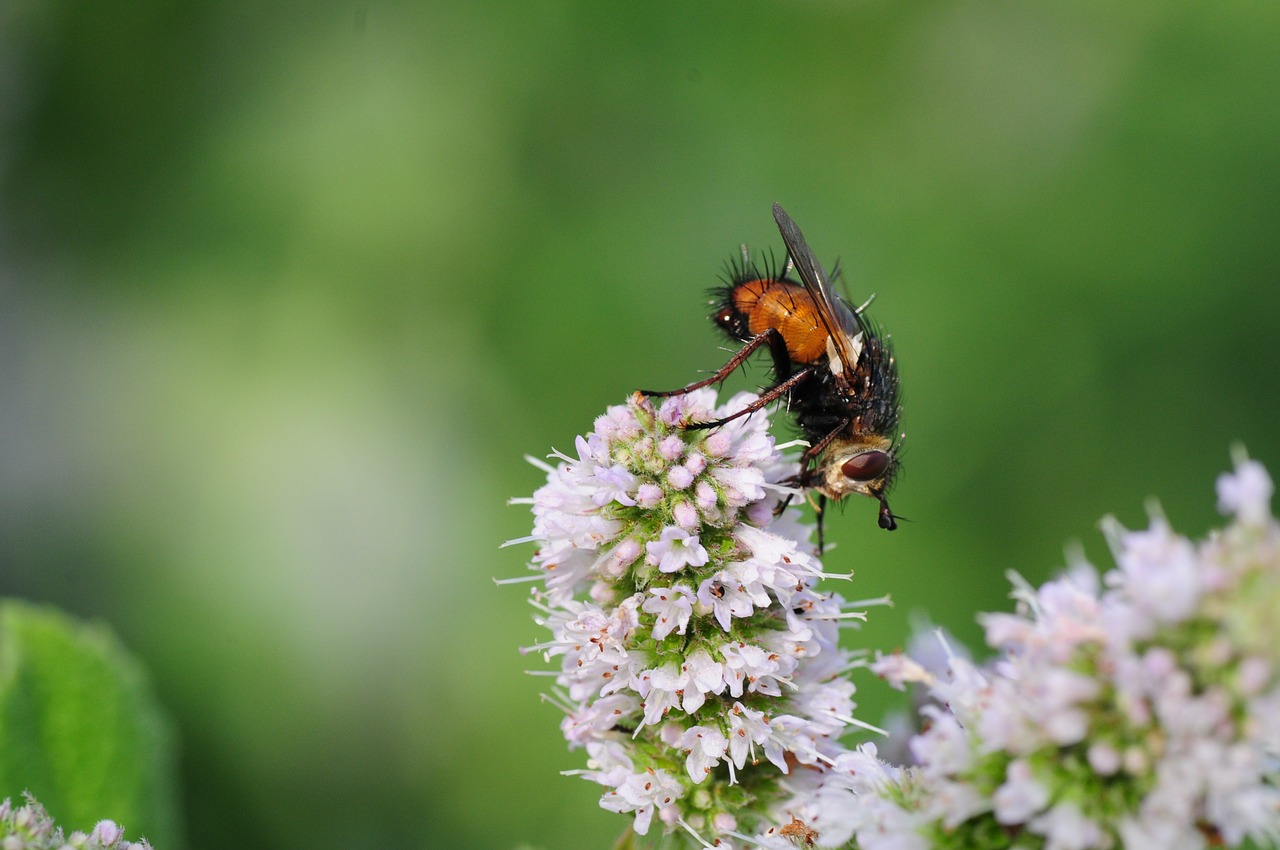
831, 364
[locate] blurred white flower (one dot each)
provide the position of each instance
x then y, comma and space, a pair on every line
29, 827
1246, 493
1139, 713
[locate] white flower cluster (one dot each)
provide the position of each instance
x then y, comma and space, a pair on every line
1142, 710
699, 665
29, 827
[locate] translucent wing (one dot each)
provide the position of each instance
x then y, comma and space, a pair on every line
843, 328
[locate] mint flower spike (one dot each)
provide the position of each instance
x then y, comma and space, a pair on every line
698, 662
1139, 709
29, 827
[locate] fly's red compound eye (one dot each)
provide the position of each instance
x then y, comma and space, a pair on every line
866, 466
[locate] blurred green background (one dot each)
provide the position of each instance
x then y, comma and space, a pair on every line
287, 290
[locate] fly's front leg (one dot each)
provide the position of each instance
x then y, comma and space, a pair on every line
768, 397
811, 454
820, 510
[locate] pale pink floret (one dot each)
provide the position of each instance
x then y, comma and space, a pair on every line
673, 607
675, 549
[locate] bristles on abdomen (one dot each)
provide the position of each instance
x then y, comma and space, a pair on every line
787, 308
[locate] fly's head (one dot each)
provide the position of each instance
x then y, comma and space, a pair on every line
865, 465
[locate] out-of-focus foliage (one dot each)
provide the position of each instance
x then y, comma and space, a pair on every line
286, 291
79, 727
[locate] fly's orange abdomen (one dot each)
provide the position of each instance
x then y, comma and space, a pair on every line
787, 308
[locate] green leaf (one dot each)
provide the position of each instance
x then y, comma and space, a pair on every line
80, 728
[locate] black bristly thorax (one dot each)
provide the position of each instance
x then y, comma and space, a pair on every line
868, 404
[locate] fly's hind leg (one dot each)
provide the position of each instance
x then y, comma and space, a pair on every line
770, 337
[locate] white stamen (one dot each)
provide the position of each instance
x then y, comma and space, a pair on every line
517, 579
854, 664
559, 702
861, 724
849, 615
545, 467
782, 488
886, 600
694, 833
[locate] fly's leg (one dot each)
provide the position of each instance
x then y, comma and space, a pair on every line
771, 337
819, 511
811, 453
768, 397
